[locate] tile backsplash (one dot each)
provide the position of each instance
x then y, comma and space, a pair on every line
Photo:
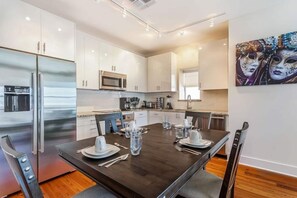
214, 100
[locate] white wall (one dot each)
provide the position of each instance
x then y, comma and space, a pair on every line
270, 110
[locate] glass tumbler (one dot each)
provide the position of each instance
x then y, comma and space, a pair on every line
135, 142
127, 128
179, 132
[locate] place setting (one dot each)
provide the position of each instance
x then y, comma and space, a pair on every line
187, 137
100, 149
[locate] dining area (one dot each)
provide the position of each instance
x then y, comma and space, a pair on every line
154, 161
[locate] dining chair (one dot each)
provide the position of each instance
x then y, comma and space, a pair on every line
199, 119
204, 184
110, 122
22, 169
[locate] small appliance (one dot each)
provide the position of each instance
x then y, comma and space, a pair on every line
125, 104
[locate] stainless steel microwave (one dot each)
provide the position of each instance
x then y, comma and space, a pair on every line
112, 81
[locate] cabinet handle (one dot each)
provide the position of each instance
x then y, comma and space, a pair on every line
83, 83
92, 129
38, 47
115, 68
137, 88
44, 45
86, 83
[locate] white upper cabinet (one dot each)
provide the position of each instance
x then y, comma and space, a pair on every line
87, 61
19, 26
136, 69
162, 73
105, 57
57, 36
213, 65
28, 28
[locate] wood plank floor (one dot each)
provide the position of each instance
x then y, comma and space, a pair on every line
250, 183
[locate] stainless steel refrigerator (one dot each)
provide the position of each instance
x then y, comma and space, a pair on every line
37, 110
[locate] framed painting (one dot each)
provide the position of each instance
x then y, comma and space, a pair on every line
272, 60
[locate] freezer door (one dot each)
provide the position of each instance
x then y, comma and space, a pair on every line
57, 113
17, 76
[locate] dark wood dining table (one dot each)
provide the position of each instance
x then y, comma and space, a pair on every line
159, 171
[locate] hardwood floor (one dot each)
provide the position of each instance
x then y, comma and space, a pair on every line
250, 183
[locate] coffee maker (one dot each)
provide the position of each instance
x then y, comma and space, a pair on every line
125, 104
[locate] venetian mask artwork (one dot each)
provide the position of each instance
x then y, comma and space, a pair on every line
267, 61
283, 64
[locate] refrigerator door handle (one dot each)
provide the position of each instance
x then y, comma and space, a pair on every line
41, 87
34, 93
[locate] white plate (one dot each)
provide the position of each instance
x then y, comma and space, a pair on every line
111, 152
201, 144
91, 150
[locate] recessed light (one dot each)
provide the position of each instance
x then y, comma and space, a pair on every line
59, 29
159, 35
182, 33
200, 48
98, 1
93, 51
28, 18
124, 13
105, 54
225, 44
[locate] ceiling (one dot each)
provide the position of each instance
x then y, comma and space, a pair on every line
104, 19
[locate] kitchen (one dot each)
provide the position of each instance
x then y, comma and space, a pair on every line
52, 31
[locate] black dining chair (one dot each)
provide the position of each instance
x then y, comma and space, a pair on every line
206, 185
112, 121
22, 169
199, 119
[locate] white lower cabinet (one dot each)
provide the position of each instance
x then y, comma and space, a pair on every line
155, 117
174, 117
86, 127
140, 118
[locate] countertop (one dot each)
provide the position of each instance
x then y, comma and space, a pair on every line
96, 112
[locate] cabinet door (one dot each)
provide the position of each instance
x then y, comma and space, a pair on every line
160, 76
91, 68
120, 60
154, 66
213, 64
105, 56
57, 36
155, 117
136, 69
141, 77
19, 25
80, 60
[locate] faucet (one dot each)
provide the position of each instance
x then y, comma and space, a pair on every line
189, 100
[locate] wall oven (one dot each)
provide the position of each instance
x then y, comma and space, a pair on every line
112, 81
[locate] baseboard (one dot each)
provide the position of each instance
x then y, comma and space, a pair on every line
276, 167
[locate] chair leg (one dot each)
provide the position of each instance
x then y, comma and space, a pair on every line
232, 192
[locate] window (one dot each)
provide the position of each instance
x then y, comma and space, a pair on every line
189, 84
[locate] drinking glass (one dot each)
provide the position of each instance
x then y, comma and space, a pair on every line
135, 142
179, 132
127, 128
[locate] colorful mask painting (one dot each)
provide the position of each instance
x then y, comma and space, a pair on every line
267, 61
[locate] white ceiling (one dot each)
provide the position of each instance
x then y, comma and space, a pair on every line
105, 20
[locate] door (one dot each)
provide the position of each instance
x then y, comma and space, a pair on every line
80, 60
17, 70
19, 25
57, 36
57, 113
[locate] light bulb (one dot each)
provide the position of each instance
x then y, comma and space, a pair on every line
124, 13
147, 28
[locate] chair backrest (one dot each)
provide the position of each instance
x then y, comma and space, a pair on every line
21, 167
200, 119
227, 189
110, 122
